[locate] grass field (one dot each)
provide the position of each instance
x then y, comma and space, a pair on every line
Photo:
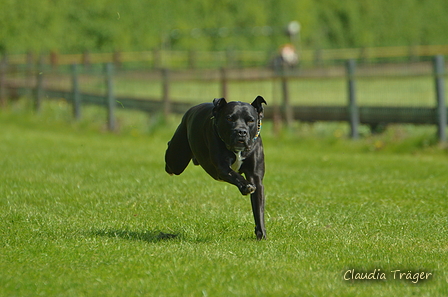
89, 213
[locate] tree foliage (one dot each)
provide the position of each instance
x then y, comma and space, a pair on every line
107, 25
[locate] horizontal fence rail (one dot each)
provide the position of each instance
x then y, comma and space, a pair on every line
69, 84
231, 58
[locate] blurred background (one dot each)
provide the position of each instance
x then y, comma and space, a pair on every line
114, 25
168, 55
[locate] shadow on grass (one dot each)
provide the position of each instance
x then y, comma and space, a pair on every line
147, 236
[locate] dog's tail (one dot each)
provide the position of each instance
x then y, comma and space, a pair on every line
178, 153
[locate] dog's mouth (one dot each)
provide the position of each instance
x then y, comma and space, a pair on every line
238, 141
241, 145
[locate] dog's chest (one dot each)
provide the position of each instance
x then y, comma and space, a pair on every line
238, 162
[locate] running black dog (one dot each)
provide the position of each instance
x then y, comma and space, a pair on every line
224, 138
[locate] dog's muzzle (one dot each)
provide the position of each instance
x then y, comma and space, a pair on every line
241, 140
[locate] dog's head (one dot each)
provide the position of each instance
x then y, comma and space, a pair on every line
238, 124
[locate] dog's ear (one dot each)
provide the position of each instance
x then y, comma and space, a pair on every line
218, 103
257, 103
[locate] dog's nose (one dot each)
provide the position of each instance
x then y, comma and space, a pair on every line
242, 133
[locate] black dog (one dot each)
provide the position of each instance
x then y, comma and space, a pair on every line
224, 138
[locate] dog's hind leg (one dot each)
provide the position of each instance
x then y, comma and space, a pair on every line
178, 153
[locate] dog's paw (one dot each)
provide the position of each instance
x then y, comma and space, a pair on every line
260, 234
248, 189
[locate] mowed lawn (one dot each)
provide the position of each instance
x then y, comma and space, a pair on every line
89, 213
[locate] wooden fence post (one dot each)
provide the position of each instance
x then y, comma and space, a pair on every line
191, 59
166, 92
156, 58
29, 74
276, 113
318, 59
353, 109
76, 93
3, 66
230, 59
39, 85
439, 73
54, 59
224, 85
117, 59
110, 97
86, 59
286, 104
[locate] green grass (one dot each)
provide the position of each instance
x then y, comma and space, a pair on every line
90, 213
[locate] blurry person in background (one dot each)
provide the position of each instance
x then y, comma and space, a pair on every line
287, 58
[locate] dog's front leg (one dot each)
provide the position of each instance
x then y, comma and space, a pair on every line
225, 173
257, 200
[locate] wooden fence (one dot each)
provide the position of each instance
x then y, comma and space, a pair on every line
227, 59
351, 111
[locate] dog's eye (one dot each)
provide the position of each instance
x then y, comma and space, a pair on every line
230, 119
250, 121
